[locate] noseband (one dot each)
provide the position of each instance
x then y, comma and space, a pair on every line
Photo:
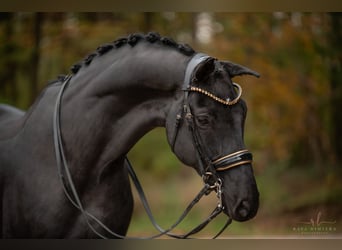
233, 160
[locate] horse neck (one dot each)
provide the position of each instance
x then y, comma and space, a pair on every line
108, 109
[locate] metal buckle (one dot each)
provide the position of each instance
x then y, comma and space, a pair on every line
217, 186
206, 179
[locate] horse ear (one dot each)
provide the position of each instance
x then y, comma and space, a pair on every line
234, 69
204, 69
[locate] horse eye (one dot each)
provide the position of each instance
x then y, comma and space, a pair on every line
203, 121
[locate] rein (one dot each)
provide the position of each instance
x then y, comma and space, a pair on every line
208, 168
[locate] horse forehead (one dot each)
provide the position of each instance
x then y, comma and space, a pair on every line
224, 88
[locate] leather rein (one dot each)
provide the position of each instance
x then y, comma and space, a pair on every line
207, 168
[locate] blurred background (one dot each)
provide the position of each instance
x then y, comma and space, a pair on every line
293, 127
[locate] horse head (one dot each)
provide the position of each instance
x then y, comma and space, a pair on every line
205, 128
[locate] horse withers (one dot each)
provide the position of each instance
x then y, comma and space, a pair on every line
90, 120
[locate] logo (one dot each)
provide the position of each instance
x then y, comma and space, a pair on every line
315, 226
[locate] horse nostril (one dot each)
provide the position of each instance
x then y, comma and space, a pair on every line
243, 209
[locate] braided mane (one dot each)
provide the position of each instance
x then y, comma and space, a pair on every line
132, 40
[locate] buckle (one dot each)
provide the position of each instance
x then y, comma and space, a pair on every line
215, 183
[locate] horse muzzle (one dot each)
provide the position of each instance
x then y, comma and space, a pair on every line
243, 206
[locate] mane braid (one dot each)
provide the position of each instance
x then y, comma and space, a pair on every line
152, 37
169, 42
121, 41
132, 40
104, 49
89, 58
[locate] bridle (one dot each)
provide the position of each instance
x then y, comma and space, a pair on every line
207, 168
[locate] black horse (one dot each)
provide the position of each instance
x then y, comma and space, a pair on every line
111, 99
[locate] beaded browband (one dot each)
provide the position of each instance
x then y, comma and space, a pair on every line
227, 102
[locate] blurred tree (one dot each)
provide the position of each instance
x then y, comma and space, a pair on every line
148, 21
336, 82
38, 19
8, 62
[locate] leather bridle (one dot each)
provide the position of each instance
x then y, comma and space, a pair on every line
207, 168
